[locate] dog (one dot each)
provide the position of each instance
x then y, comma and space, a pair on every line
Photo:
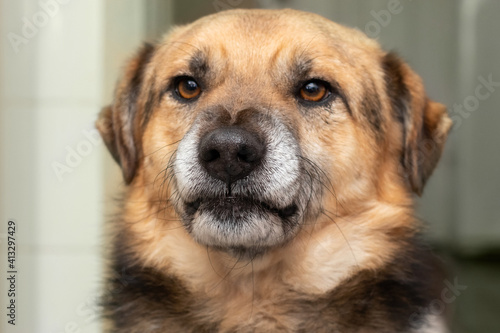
271, 159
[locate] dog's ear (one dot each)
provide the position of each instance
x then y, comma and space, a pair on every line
117, 123
425, 123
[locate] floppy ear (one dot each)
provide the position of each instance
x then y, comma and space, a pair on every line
425, 123
117, 123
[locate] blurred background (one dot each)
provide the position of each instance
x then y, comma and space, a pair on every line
60, 59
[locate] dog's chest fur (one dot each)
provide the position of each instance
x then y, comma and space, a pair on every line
388, 299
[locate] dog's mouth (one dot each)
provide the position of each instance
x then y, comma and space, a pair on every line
237, 207
239, 225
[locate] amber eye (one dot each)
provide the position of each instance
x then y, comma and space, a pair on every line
187, 88
314, 91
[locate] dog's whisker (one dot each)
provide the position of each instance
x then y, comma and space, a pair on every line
222, 277
212, 265
253, 289
323, 175
185, 43
162, 147
343, 235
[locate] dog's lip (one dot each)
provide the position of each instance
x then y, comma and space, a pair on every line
241, 203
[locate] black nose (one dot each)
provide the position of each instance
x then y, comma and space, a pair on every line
230, 153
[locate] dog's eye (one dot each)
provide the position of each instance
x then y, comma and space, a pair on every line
314, 91
187, 88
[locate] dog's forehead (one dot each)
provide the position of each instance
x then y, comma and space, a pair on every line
280, 37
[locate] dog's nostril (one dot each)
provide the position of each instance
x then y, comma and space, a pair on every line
209, 155
230, 153
246, 154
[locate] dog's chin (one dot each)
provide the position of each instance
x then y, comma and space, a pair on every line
240, 226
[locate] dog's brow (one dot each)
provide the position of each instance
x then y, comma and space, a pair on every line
198, 65
300, 69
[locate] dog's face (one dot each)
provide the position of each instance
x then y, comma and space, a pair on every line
256, 125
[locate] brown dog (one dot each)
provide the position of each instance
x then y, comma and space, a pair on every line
271, 159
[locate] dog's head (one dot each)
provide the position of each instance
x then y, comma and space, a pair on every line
253, 124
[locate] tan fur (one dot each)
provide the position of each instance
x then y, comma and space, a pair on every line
372, 201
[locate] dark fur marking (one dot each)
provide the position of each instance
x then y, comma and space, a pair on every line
386, 300
143, 297
135, 84
198, 65
133, 90
397, 91
372, 110
149, 106
338, 90
396, 88
389, 299
300, 70
138, 79
200, 69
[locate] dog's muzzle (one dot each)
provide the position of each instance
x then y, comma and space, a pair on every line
239, 185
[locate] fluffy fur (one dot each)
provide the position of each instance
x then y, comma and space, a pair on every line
321, 236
